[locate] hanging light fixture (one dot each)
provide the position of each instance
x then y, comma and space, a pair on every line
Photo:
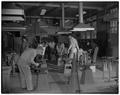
12, 13
43, 11
81, 26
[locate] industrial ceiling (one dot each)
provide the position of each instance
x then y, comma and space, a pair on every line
53, 9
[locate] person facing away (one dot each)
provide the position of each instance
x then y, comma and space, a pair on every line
24, 44
94, 51
24, 62
60, 48
73, 48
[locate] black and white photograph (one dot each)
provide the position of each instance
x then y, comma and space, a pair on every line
59, 47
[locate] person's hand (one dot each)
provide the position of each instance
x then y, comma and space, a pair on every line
36, 64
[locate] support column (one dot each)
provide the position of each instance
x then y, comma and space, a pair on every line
63, 16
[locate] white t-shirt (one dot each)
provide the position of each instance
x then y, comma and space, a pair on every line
42, 48
73, 45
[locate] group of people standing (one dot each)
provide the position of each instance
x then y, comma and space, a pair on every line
50, 51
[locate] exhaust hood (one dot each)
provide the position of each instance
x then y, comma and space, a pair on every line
81, 26
13, 12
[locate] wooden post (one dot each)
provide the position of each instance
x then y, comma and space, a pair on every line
109, 64
74, 77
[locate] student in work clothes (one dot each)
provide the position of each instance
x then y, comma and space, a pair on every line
24, 62
73, 48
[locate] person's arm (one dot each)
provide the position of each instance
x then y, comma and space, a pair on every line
63, 47
77, 45
57, 48
32, 59
69, 47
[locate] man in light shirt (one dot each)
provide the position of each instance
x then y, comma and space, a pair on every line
24, 62
42, 46
73, 48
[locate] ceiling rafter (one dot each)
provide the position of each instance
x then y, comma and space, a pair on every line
49, 17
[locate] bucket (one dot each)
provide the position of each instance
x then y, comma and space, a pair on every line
93, 68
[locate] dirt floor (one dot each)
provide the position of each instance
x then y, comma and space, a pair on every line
56, 82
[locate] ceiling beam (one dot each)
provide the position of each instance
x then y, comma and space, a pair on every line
58, 5
47, 17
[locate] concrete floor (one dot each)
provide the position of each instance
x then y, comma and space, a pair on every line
54, 82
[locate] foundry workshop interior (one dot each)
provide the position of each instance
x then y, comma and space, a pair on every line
59, 47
